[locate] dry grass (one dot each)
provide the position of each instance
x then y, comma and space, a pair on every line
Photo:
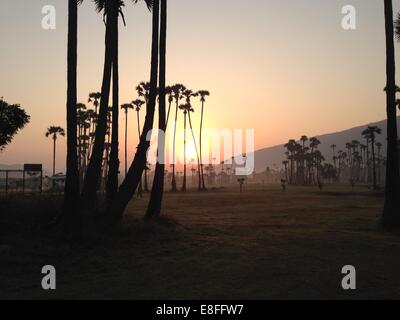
262, 244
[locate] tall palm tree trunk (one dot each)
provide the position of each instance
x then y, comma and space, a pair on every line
140, 188
54, 155
174, 186
54, 160
131, 182
112, 179
375, 186
197, 151
126, 142
368, 163
379, 166
184, 155
157, 191
201, 170
391, 211
94, 169
146, 182
168, 114
71, 192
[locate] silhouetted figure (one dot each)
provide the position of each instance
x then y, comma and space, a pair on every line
241, 183
353, 184
283, 184
320, 185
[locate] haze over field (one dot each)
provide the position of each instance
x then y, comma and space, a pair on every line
110, 215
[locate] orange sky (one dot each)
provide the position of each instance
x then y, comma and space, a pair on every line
283, 67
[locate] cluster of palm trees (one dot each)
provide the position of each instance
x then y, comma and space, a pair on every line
360, 162
83, 195
92, 134
303, 162
174, 94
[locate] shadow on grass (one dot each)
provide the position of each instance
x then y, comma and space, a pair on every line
377, 194
25, 219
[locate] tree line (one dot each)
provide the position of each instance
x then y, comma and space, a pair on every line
306, 165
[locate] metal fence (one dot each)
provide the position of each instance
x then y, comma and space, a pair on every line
20, 181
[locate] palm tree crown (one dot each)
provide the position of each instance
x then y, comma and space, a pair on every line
186, 108
54, 131
203, 94
127, 106
137, 104
370, 132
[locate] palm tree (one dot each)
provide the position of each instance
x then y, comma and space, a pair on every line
379, 160
81, 118
186, 109
170, 94
286, 164
126, 108
363, 149
107, 146
143, 91
290, 146
111, 11
370, 134
112, 179
137, 104
155, 203
391, 211
314, 143
132, 179
71, 191
91, 118
333, 147
177, 90
94, 98
95, 165
303, 140
54, 132
188, 95
203, 94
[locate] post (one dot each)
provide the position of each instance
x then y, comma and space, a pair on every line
6, 182
41, 181
23, 182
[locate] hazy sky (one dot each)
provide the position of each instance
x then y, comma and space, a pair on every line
283, 67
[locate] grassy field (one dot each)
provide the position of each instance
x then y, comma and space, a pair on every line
261, 244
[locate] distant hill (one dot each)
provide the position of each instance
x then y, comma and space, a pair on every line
272, 157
